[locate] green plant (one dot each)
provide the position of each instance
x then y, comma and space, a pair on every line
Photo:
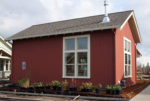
108, 87
87, 85
56, 83
99, 86
94, 87
47, 84
81, 87
114, 87
140, 76
25, 82
40, 84
118, 87
64, 83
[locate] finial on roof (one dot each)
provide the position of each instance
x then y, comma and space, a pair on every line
106, 17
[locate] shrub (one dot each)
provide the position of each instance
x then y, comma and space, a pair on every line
118, 87
81, 87
99, 86
25, 82
108, 87
40, 84
114, 87
64, 83
140, 76
87, 85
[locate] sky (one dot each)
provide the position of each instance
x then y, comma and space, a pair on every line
16, 15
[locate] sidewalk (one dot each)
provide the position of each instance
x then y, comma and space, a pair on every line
143, 96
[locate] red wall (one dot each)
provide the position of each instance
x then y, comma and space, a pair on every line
44, 59
119, 44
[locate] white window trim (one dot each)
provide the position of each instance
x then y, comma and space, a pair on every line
129, 76
88, 53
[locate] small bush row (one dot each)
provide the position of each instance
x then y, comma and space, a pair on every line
63, 86
116, 89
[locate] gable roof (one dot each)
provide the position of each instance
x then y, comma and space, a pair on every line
85, 24
5, 46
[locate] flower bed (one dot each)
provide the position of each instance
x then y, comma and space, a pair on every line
86, 89
56, 87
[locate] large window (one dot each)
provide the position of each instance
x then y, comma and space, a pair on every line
127, 58
76, 57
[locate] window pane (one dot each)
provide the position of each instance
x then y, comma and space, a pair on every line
129, 59
125, 45
128, 46
126, 59
126, 71
69, 70
69, 58
82, 58
82, 70
129, 70
70, 44
24, 65
82, 43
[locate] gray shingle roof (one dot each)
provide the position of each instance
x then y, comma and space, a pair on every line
91, 23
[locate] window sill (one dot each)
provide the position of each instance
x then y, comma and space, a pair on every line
127, 76
69, 77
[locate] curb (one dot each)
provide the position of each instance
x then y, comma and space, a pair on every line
66, 96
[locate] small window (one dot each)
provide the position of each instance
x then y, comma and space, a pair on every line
24, 65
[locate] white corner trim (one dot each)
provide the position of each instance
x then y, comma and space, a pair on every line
126, 21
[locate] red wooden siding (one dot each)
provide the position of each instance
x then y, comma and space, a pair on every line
44, 59
119, 43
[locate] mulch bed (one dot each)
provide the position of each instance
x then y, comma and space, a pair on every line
133, 90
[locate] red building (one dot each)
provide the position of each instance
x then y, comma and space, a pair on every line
85, 49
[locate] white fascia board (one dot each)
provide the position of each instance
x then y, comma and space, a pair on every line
137, 27
126, 21
132, 14
4, 57
8, 52
6, 43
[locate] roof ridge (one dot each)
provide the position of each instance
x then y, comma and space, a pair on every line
81, 18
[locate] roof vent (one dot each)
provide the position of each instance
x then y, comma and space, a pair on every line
106, 17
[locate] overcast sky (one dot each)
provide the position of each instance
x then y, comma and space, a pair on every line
16, 15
